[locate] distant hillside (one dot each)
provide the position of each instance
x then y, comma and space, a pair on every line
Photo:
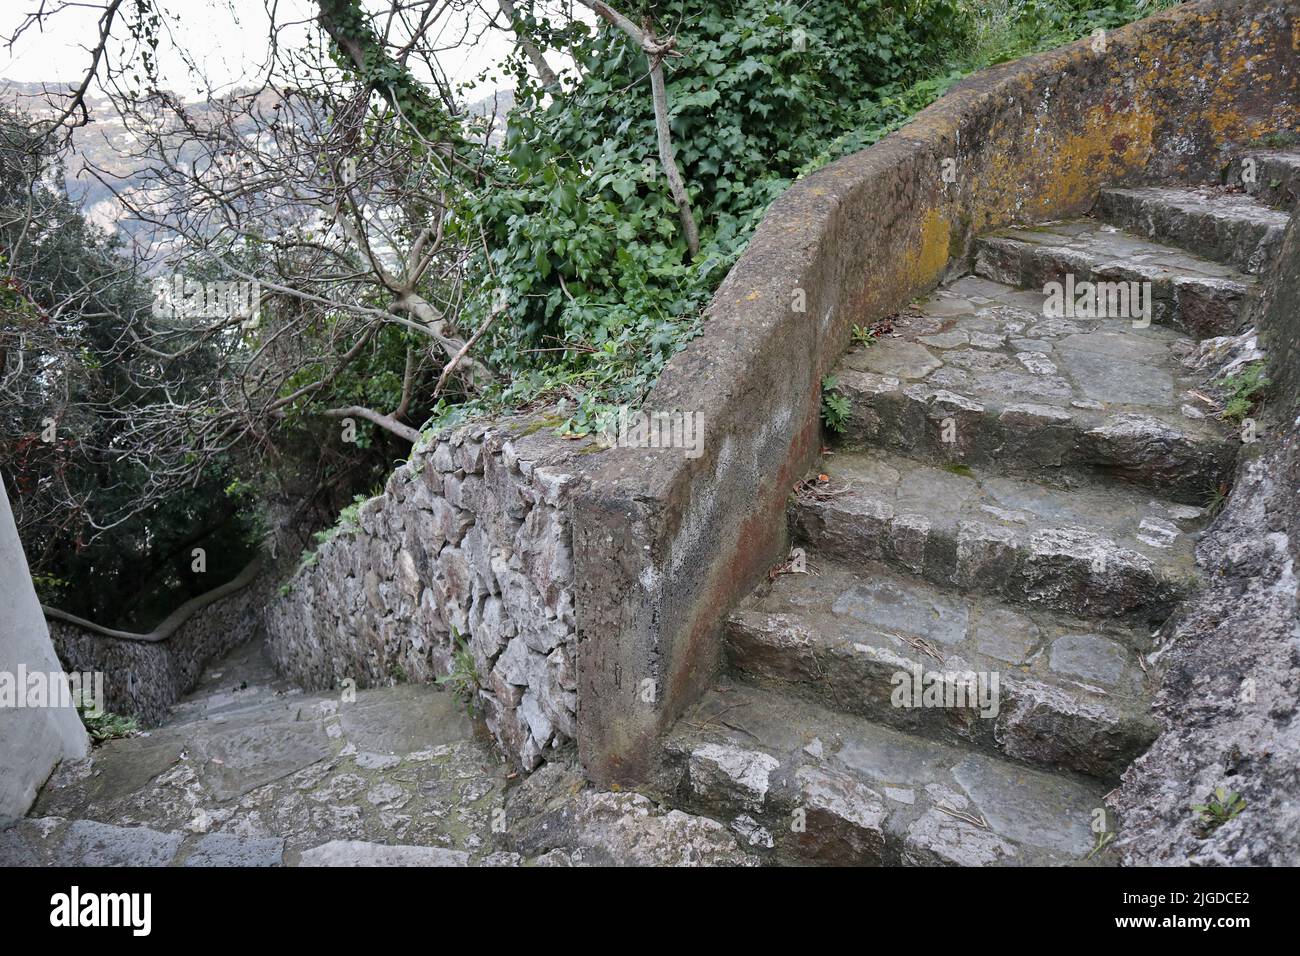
105, 145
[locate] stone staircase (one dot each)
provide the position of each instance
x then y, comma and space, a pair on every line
952, 668
1017, 496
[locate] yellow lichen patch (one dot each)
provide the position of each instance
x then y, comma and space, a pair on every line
1223, 113
1108, 144
932, 256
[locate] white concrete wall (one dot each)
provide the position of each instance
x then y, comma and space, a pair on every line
32, 739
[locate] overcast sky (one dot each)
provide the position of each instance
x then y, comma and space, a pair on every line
228, 39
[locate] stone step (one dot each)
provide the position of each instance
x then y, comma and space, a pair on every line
55, 841
259, 701
1211, 221
1271, 176
1101, 550
977, 374
1035, 687
354, 853
1188, 293
817, 786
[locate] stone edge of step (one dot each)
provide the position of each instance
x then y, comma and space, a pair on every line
846, 814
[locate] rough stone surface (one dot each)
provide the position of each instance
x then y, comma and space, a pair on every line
868, 794
253, 772
557, 820
88, 843
471, 538
359, 853
841, 638
1227, 226
225, 849
1080, 550
1229, 664
1271, 175
1189, 293
1002, 383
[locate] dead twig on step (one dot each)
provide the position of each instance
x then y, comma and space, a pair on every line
819, 489
924, 646
976, 820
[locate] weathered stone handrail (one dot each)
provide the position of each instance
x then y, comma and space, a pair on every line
172, 623
663, 544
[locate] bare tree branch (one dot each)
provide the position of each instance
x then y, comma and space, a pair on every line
655, 50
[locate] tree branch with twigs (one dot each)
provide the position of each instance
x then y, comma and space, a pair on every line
656, 49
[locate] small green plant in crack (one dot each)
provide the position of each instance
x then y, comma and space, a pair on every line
864, 335
1277, 140
105, 726
349, 522
1244, 391
1216, 498
463, 678
957, 468
835, 406
1219, 807
1104, 839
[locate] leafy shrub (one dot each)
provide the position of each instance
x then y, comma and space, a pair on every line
580, 225
463, 678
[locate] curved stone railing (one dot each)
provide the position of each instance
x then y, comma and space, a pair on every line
665, 544
145, 674
516, 558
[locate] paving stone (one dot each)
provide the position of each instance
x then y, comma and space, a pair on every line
1006, 635
1036, 809
361, 853
1093, 658
225, 849
938, 838
407, 720
896, 357
31, 841
88, 843
235, 759
889, 604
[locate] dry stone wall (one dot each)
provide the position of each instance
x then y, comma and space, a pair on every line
144, 679
469, 548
